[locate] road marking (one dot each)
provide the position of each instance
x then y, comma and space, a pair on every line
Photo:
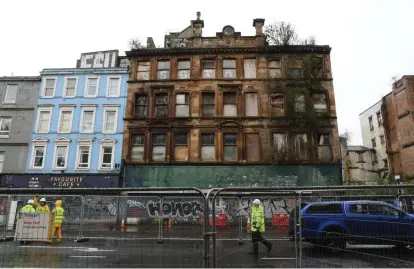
369, 246
88, 256
85, 249
279, 258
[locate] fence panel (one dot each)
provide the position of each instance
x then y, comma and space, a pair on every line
4, 213
357, 230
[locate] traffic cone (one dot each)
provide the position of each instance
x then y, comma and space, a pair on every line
123, 225
170, 225
249, 225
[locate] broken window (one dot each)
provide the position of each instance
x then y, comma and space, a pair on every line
371, 125
249, 68
181, 105
251, 105
137, 149
300, 142
161, 105
181, 147
209, 70
382, 139
183, 69
208, 152
360, 157
230, 147
296, 73
230, 104
208, 104
252, 148
280, 142
299, 104
141, 106
159, 147
319, 102
324, 147
229, 68
163, 70
374, 142
143, 70
316, 67
277, 102
275, 68
379, 118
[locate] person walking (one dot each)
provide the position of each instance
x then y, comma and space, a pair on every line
258, 227
42, 207
58, 212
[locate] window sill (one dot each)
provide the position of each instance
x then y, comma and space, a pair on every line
47, 97
59, 169
64, 132
42, 132
82, 169
8, 103
91, 132
4, 136
105, 169
35, 168
68, 97
117, 96
109, 133
90, 96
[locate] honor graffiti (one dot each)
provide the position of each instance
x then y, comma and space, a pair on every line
172, 209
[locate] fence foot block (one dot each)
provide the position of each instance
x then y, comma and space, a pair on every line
241, 242
8, 238
82, 240
160, 241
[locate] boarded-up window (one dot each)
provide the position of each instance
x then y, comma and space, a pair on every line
161, 105
373, 142
324, 147
379, 118
296, 73
300, 146
183, 69
230, 147
230, 104
181, 147
275, 68
229, 68
141, 106
299, 104
208, 104
251, 105
360, 157
208, 152
159, 147
252, 148
277, 102
209, 71
249, 68
181, 105
163, 70
371, 125
143, 72
137, 149
319, 102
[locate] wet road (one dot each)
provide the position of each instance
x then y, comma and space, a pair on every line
188, 253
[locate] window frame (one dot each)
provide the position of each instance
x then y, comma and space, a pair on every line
228, 91
382, 139
208, 132
149, 71
44, 87
85, 95
174, 144
83, 109
223, 69
324, 93
236, 145
118, 94
245, 94
1, 122
211, 93
374, 142
307, 153
295, 98
379, 119
244, 67
83, 142
144, 158
271, 68
159, 132
38, 143
60, 144
65, 109
7, 91
329, 144
370, 123
283, 94
112, 108
245, 151
39, 111
188, 94
65, 84
178, 70
159, 70
290, 71
2, 157
154, 105
106, 143
147, 105
214, 69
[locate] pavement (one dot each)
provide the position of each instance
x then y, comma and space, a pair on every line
185, 252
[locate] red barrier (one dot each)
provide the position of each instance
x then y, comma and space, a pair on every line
221, 220
280, 220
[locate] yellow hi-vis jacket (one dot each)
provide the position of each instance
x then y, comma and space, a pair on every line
59, 213
258, 217
43, 209
27, 209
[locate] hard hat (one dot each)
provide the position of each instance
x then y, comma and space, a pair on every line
256, 202
42, 200
30, 201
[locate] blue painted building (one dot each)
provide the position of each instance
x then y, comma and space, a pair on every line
78, 128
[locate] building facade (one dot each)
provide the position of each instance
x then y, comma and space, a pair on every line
18, 97
399, 128
373, 137
77, 134
230, 110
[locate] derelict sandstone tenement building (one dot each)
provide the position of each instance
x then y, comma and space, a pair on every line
230, 110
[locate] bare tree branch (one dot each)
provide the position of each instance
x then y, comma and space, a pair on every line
135, 43
347, 135
281, 33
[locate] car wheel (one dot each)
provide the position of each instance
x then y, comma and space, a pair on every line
335, 240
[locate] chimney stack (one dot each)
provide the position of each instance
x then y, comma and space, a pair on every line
258, 25
150, 43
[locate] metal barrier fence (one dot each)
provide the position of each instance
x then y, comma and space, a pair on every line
184, 227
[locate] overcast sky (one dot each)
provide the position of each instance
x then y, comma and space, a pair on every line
371, 40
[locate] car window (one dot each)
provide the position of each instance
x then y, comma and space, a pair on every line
325, 208
383, 210
359, 209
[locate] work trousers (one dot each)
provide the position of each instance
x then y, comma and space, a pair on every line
58, 231
256, 238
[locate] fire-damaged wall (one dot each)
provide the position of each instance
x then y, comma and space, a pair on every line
209, 176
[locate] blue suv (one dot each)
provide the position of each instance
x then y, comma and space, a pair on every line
334, 224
